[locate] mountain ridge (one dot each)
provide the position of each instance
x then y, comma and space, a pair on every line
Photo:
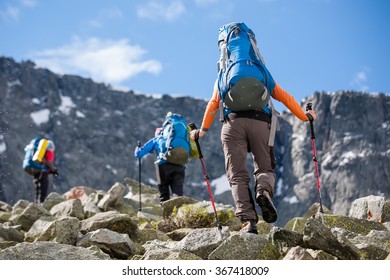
96, 129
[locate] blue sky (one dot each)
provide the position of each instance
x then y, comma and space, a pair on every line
170, 46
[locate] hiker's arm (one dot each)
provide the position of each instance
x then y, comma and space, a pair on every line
48, 161
49, 165
211, 111
289, 101
145, 149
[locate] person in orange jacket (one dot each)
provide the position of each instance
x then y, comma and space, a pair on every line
249, 131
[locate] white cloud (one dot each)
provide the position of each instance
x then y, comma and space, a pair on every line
113, 12
103, 60
359, 80
156, 10
10, 14
104, 16
205, 2
29, 3
94, 23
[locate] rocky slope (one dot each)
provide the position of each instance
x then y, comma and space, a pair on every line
97, 225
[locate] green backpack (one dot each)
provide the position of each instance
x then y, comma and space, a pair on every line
193, 148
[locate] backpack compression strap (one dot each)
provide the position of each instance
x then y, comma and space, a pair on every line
259, 56
274, 124
223, 47
169, 139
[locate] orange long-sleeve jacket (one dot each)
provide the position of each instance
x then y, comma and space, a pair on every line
278, 93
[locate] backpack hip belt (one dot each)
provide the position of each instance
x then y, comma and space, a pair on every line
256, 115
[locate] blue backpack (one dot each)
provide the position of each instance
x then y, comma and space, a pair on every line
244, 82
30, 149
174, 143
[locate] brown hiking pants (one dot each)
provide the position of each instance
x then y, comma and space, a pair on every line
239, 136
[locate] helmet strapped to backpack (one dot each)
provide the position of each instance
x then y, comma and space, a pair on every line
50, 145
242, 75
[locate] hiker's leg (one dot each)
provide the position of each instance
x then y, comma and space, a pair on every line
37, 182
263, 157
264, 164
177, 179
163, 187
44, 186
234, 143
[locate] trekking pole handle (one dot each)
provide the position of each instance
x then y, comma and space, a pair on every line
193, 127
309, 106
139, 144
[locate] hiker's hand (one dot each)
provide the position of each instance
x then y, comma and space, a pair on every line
136, 151
311, 114
197, 133
201, 133
54, 172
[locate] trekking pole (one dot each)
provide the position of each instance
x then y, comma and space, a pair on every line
54, 186
206, 177
139, 178
309, 106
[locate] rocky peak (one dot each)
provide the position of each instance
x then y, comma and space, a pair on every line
96, 129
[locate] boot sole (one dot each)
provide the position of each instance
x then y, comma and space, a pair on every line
267, 208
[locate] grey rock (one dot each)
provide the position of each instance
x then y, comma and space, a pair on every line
29, 215
168, 254
63, 230
317, 236
71, 208
10, 234
112, 196
53, 199
371, 208
203, 241
298, 253
44, 250
115, 244
111, 220
245, 246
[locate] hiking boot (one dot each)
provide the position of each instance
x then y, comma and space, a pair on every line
249, 226
268, 209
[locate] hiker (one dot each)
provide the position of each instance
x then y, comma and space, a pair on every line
171, 142
248, 130
39, 163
